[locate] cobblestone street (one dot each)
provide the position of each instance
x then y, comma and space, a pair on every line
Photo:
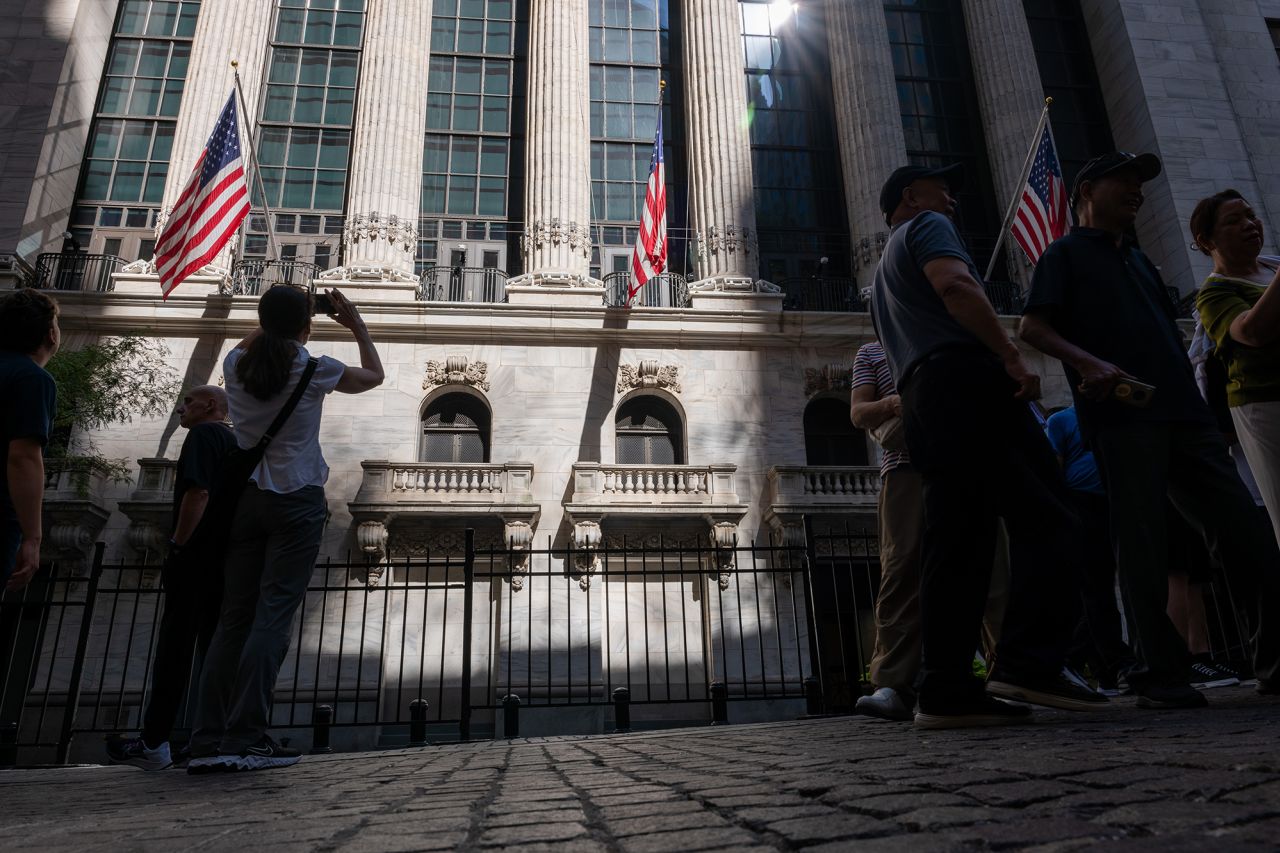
1188, 780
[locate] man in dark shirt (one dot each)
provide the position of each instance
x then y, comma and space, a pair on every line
192, 582
981, 455
1099, 305
29, 336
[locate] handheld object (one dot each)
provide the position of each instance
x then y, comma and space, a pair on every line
322, 304
1131, 392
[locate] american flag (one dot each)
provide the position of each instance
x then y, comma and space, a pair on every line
1042, 214
210, 209
650, 256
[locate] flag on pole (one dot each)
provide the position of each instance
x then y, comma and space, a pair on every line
650, 255
210, 209
1042, 215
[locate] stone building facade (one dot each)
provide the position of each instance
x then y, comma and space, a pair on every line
469, 173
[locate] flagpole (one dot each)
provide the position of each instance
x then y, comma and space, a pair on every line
1018, 188
272, 245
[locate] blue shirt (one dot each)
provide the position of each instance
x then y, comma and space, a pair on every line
1080, 468
910, 318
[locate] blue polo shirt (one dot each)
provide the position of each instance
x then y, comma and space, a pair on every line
1078, 465
1110, 301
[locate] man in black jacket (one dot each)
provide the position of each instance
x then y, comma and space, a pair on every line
192, 582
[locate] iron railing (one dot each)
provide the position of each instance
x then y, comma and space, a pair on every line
76, 271
252, 276
1006, 297
462, 284
665, 290
821, 294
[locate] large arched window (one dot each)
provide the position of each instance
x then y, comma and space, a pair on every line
830, 438
649, 432
455, 428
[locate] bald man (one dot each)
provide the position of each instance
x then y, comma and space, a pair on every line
192, 582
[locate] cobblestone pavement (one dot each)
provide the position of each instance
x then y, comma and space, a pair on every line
1123, 778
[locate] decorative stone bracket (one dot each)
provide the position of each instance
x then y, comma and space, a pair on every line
518, 536
556, 232
587, 538
724, 539
649, 374
456, 370
363, 227
868, 249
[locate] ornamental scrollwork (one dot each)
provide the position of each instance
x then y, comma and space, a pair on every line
401, 233
833, 377
457, 370
730, 239
649, 374
556, 232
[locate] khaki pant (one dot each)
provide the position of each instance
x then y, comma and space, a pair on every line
895, 660
1258, 427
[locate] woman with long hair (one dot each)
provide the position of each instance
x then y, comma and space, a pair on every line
275, 534
1239, 307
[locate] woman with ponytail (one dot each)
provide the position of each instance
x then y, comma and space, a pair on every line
275, 534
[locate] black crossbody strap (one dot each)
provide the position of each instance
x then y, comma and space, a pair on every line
291, 404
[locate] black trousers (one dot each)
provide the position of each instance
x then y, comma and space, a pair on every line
1145, 464
982, 456
192, 601
1099, 639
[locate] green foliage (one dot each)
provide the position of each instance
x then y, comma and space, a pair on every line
108, 382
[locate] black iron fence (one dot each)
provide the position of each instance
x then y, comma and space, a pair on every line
1006, 297
452, 645
252, 276
821, 294
665, 290
76, 271
462, 284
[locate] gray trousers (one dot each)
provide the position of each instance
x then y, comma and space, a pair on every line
274, 542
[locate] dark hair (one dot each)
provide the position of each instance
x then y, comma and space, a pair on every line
283, 313
1205, 217
26, 316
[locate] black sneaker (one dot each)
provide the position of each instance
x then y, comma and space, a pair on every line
266, 754
1205, 675
1058, 691
976, 713
1159, 698
135, 752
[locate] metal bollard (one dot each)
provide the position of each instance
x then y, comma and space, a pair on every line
719, 704
321, 720
813, 697
511, 716
622, 710
418, 722
9, 745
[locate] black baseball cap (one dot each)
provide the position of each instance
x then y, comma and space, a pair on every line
891, 192
1148, 166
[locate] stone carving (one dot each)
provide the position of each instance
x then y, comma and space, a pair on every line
734, 284
649, 374
371, 536
556, 232
724, 539
456, 370
868, 249
732, 240
140, 267
400, 233
587, 537
413, 540
519, 538
833, 377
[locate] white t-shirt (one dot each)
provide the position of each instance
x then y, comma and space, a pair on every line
293, 459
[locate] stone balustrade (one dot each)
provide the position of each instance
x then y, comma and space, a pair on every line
656, 485
800, 490
150, 508
74, 513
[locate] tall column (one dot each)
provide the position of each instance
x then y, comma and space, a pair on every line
719, 146
1010, 95
557, 212
380, 239
225, 31
868, 120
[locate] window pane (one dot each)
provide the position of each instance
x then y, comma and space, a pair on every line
438, 112
470, 36
493, 157
435, 155
617, 84
284, 66
314, 69
146, 97
97, 179
329, 190
467, 79
309, 106
462, 195
289, 25
619, 201
493, 196
464, 158
124, 57
340, 107
644, 46
153, 59
303, 147
342, 69
497, 78
106, 137
333, 149
127, 185
617, 46
156, 176
136, 141
271, 146
278, 104
618, 166
495, 115
347, 31
498, 39
440, 78
442, 34
433, 193
297, 188
466, 112
172, 99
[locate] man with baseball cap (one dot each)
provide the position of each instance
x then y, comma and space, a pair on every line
981, 454
1099, 305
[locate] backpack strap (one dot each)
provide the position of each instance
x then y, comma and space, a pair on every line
290, 404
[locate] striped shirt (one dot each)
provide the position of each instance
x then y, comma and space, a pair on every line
871, 367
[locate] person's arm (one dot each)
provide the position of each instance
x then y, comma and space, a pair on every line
190, 511
369, 374
868, 411
967, 303
25, 470
1097, 377
1259, 325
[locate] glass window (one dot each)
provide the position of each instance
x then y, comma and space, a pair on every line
455, 429
648, 431
829, 437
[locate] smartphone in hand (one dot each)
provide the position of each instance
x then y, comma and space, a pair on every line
322, 304
1131, 392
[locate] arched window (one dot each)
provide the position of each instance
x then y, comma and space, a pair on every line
649, 432
830, 438
455, 428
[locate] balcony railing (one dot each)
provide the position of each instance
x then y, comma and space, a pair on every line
821, 294
252, 276
667, 290
653, 489
1006, 297
76, 271
462, 284
822, 484
391, 485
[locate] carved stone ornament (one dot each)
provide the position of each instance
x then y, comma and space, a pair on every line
416, 540
733, 284
833, 377
140, 267
649, 374
555, 232
724, 538
587, 537
400, 233
868, 249
730, 240
456, 370
519, 539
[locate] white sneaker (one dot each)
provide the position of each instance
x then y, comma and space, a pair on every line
134, 752
885, 704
